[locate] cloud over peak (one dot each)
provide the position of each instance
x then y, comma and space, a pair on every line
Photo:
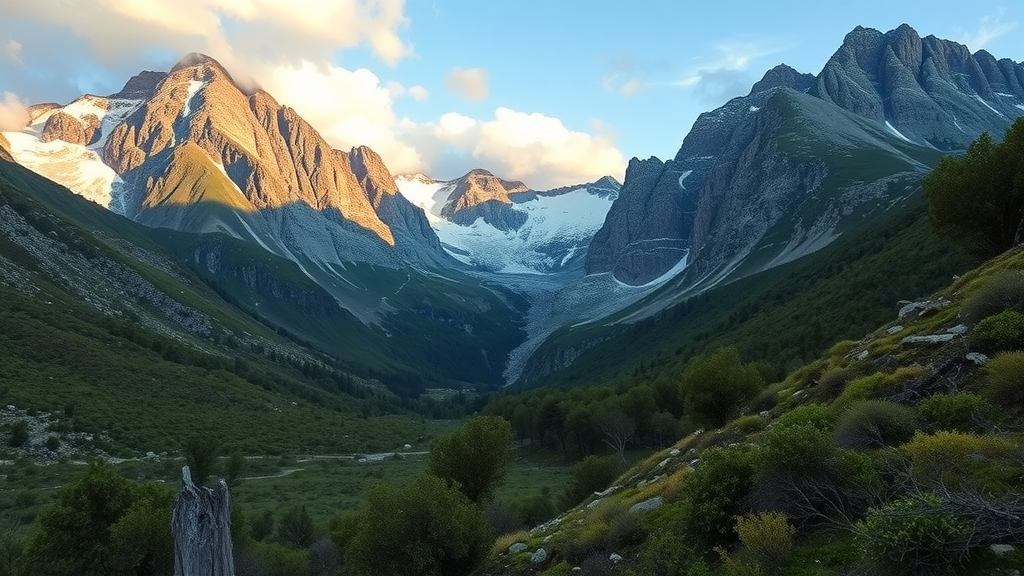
470, 83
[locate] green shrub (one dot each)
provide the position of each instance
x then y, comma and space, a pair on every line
626, 530
592, 474
19, 434
957, 459
875, 424
1003, 291
798, 447
1004, 331
1004, 380
669, 554
964, 412
815, 415
909, 537
715, 494
767, 537
52, 442
713, 386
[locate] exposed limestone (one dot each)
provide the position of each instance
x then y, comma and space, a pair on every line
477, 187
927, 340
63, 126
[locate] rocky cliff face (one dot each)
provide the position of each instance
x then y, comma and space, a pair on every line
744, 174
477, 187
932, 91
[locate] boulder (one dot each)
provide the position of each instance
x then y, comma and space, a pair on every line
978, 358
615, 558
647, 505
539, 557
927, 340
517, 548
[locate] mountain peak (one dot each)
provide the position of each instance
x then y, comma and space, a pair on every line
478, 172
479, 186
783, 76
194, 59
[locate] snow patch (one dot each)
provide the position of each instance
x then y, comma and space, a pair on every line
987, 105
194, 86
429, 195
683, 177
70, 165
1021, 106
897, 132
754, 108
957, 124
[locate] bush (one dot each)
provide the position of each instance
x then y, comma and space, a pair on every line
669, 554
592, 474
908, 537
1003, 291
476, 457
560, 569
52, 442
626, 530
964, 412
19, 434
814, 415
597, 565
954, 459
714, 386
1004, 380
1004, 331
798, 447
768, 537
715, 494
875, 424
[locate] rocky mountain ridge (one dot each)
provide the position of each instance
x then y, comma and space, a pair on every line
896, 95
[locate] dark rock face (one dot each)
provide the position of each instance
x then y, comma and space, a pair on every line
498, 214
142, 86
646, 231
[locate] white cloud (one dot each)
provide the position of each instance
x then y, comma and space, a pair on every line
226, 29
13, 112
989, 28
470, 83
724, 75
12, 51
533, 147
419, 93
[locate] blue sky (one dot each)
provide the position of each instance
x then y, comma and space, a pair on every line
551, 92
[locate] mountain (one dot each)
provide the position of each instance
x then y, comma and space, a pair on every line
192, 151
801, 159
497, 225
5, 149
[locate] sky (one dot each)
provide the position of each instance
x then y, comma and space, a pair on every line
551, 92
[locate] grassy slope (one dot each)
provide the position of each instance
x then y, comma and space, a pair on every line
881, 368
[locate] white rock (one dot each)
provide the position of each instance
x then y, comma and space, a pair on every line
539, 557
925, 340
647, 505
862, 355
607, 491
615, 558
894, 330
663, 462
958, 329
673, 452
595, 503
517, 548
978, 358
1001, 550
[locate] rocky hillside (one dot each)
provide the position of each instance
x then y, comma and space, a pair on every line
914, 421
787, 168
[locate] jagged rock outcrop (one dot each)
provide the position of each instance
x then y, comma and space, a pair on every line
646, 231
142, 86
477, 187
63, 126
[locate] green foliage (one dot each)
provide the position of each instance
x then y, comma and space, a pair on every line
296, 529
978, 200
201, 455
425, 527
998, 333
875, 424
592, 474
103, 524
814, 415
476, 457
908, 537
713, 386
19, 434
670, 554
715, 492
957, 460
1004, 380
1002, 291
798, 447
52, 442
963, 412
767, 537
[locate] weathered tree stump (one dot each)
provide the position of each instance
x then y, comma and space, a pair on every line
201, 525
